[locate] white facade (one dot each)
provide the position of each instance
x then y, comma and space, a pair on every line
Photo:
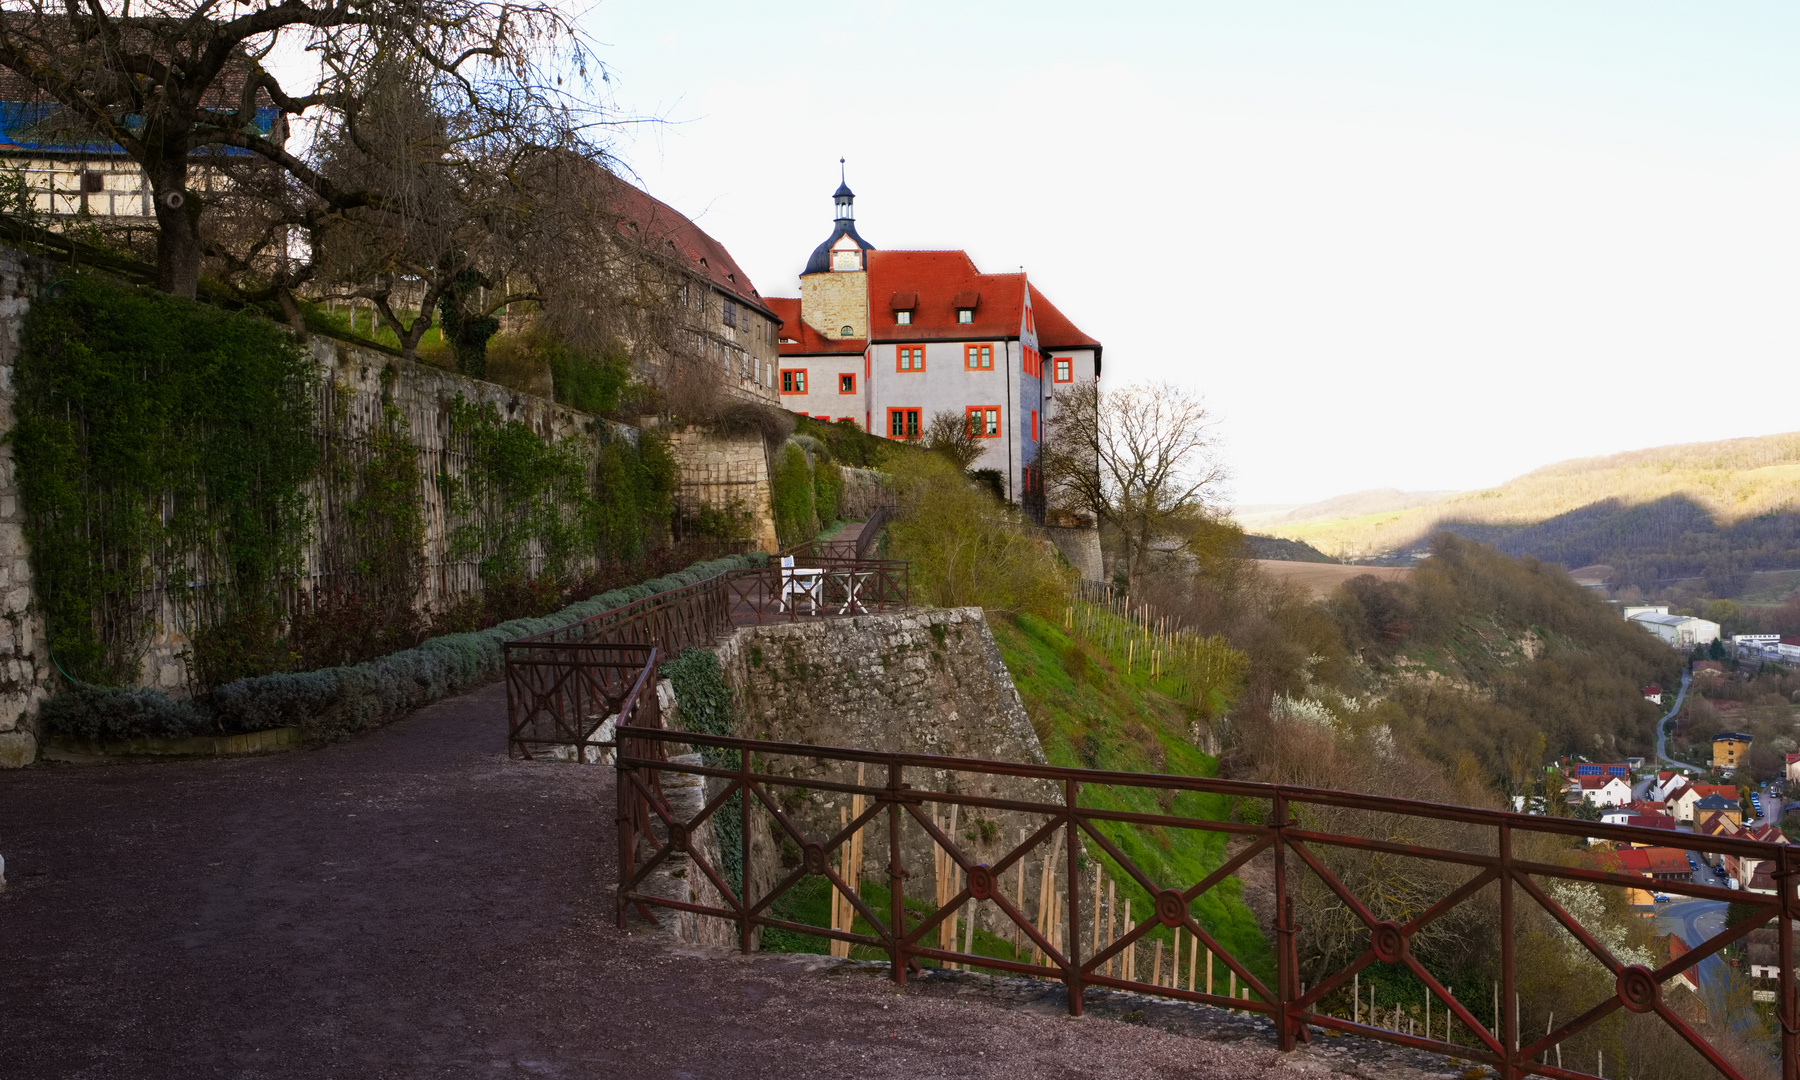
1614, 792
1680, 631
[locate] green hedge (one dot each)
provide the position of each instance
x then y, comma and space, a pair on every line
334, 702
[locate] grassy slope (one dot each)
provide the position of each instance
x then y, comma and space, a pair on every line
1088, 712
1734, 479
1100, 717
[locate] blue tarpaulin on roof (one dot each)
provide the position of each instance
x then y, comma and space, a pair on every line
31, 125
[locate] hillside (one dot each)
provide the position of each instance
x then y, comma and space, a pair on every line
1718, 511
1534, 654
1356, 504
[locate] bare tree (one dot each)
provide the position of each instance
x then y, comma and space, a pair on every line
954, 437
486, 203
175, 82
1142, 459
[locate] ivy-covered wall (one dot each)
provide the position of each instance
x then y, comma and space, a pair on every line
193, 483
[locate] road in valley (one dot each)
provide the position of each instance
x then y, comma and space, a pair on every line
1662, 727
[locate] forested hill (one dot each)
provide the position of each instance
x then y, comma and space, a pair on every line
1477, 656
1717, 511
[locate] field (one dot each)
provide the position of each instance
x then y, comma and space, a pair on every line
1322, 579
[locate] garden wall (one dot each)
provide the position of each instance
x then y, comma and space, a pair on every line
24, 663
928, 682
720, 470
362, 393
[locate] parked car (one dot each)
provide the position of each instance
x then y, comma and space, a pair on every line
1659, 898
1719, 871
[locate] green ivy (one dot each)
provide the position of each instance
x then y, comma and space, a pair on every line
158, 436
703, 706
791, 492
593, 385
521, 492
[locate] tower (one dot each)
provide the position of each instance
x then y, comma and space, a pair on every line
834, 287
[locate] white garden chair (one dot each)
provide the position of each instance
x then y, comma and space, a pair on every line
799, 583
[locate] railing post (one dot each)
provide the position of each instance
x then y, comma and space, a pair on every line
1784, 948
896, 879
1284, 930
621, 792
1072, 980
1509, 1013
744, 927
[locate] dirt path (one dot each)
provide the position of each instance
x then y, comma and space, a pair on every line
410, 904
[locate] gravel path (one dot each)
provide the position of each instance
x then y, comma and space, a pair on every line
411, 904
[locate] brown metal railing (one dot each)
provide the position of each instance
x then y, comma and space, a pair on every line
1500, 858
563, 684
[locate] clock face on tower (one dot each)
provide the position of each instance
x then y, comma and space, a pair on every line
846, 260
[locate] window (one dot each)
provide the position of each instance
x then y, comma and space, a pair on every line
978, 357
92, 181
731, 313
910, 358
1034, 433
846, 419
846, 383
1064, 369
965, 315
848, 331
1032, 363
983, 421
903, 423
903, 318
793, 381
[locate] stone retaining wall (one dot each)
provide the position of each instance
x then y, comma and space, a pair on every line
927, 682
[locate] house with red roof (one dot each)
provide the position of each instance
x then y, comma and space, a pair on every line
721, 319
1683, 802
1601, 790
1791, 767
893, 339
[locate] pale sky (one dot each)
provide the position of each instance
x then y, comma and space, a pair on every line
1417, 244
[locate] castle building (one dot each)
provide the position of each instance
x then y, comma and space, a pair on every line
892, 339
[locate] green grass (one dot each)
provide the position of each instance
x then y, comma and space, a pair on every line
809, 902
1090, 713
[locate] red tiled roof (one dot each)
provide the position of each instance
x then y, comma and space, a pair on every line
807, 341
942, 279
1791, 758
1725, 791
1651, 821
1632, 860
1666, 860
1589, 783
645, 219
1054, 329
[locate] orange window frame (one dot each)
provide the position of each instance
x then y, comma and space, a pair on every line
1034, 434
974, 355
793, 385
1062, 369
909, 358
847, 382
983, 421
908, 417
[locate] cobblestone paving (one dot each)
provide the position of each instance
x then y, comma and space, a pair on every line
411, 904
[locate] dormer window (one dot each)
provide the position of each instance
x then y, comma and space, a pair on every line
965, 315
903, 304
965, 303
